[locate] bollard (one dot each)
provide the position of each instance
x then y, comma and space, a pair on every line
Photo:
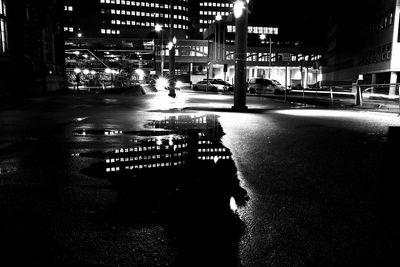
399, 98
358, 100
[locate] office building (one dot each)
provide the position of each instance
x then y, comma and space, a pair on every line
205, 34
363, 43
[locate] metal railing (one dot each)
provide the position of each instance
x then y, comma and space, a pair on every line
359, 93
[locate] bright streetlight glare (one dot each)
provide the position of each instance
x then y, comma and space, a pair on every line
238, 8
263, 36
218, 17
108, 70
161, 83
170, 45
174, 40
140, 73
158, 28
86, 71
77, 70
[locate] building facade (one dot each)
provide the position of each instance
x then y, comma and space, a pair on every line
205, 35
363, 42
31, 47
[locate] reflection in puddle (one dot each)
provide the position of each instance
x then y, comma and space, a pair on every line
185, 179
97, 132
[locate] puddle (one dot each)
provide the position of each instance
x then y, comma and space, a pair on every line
97, 132
183, 178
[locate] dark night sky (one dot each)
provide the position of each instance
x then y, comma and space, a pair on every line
305, 19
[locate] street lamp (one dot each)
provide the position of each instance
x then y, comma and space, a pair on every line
263, 37
241, 22
218, 18
158, 28
171, 52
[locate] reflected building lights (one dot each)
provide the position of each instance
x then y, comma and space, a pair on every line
173, 150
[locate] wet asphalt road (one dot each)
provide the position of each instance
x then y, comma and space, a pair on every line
314, 187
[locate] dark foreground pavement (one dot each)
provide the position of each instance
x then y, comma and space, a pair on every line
315, 187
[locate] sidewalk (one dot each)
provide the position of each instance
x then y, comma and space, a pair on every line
381, 105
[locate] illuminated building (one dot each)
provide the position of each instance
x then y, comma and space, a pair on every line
124, 19
203, 46
364, 40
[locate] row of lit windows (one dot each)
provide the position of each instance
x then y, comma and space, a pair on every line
147, 24
380, 54
68, 8
149, 148
264, 57
186, 52
230, 5
213, 157
214, 13
378, 25
256, 29
68, 29
211, 150
146, 14
147, 166
146, 157
109, 31
142, 4
209, 21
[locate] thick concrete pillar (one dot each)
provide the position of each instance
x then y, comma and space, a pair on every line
241, 24
393, 79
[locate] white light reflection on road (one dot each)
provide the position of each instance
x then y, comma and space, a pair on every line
342, 114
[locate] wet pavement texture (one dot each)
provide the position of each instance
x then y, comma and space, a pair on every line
116, 180
184, 180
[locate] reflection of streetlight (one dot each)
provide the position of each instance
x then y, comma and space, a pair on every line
77, 70
79, 34
263, 37
86, 71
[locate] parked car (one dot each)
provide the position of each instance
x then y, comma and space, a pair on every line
316, 85
212, 86
265, 86
220, 81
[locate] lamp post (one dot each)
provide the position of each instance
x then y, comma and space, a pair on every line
171, 52
218, 18
263, 37
241, 22
158, 28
